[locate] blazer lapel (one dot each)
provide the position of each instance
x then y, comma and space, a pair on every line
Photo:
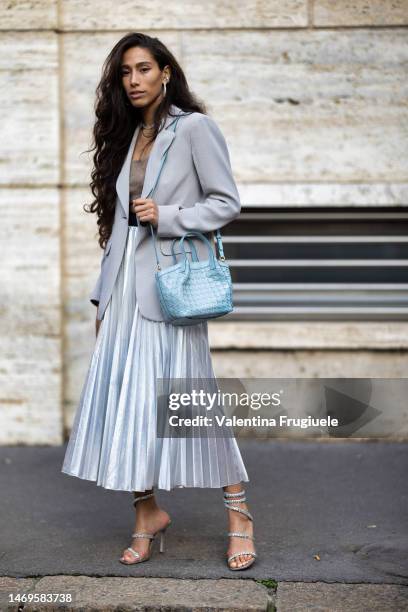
159, 148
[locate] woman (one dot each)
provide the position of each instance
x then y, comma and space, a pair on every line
142, 93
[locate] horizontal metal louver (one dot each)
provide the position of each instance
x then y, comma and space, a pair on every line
322, 264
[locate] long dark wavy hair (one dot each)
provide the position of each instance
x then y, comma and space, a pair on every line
117, 119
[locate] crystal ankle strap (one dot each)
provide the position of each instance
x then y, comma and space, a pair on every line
234, 494
239, 534
241, 510
228, 503
137, 499
239, 497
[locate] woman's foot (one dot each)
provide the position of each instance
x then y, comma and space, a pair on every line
149, 519
239, 522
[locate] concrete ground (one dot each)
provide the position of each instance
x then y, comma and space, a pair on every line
330, 521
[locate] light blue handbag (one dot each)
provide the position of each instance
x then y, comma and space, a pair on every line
192, 292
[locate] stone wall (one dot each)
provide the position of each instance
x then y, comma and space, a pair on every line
312, 99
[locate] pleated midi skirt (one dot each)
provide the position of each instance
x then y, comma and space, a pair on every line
113, 439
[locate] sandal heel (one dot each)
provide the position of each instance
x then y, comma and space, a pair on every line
162, 536
229, 500
151, 536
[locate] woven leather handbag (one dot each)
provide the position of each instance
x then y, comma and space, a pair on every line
192, 292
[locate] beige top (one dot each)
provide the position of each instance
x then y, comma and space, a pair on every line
136, 180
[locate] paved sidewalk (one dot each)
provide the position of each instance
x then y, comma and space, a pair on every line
330, 521
172, 594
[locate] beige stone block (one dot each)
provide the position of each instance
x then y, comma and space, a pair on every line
32, 15
83, 56
104, 15
298, 596
30, 270
313, 335
31, 389
29, 146
14, 587
310, 364
139, 594
30, 322
360, 195
360, 13
322, 106
356, 142
81, 269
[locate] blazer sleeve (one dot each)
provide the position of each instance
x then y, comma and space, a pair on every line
95, 294
212, 163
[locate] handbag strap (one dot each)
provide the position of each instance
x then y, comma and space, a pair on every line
203, 239
194, 256
154, 234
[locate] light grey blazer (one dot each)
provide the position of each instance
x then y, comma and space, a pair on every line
196, 191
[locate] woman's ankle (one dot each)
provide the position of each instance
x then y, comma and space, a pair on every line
137, 494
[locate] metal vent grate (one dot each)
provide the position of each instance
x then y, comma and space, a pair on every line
288, 264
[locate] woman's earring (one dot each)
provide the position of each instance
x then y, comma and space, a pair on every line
164, 88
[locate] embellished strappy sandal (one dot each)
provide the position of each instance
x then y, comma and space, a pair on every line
231, 498
151, 536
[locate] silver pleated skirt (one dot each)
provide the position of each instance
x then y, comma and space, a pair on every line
113, 439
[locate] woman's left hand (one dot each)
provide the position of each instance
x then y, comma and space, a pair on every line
146, 210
